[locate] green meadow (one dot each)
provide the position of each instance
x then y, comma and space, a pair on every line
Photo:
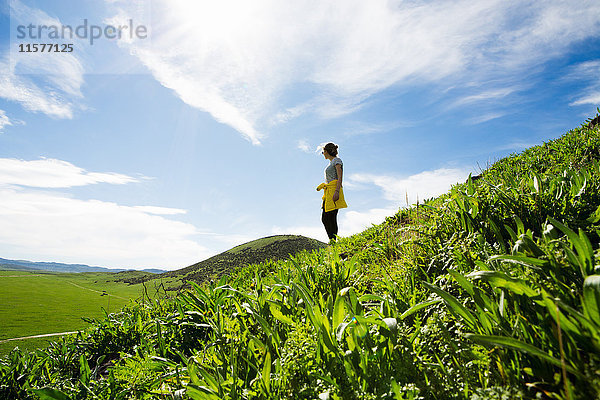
40, 302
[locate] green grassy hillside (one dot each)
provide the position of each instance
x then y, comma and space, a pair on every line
267, 249
490, 291
271, 248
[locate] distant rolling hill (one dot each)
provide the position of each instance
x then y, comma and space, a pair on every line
268, 248
256, 251
59, 267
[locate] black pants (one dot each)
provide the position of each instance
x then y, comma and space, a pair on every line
329, 220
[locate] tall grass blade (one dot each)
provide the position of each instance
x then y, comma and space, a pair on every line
515, 344
454, 305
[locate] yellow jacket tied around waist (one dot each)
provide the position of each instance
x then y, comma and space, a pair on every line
331, 205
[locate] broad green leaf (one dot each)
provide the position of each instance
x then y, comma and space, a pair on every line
481, 299
588, 252
419, 307
339, 311
581, 245
201, 393
84, 370
371, 297
209, 379
500, 279
261, 321
595, 217
470, 187
515, 344
591, 297
193, 373
566, 323
48, 393
462, 281
520, 225
371, 320
453, 305
530, 262
497, 233
276, 312
328, 340
511, 232
266, 371
350, 294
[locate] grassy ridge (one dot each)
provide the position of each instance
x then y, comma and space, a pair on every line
271, 248
488, 292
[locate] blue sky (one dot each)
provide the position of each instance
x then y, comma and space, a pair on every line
164, 150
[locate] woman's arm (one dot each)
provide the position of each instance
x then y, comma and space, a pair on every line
336, 195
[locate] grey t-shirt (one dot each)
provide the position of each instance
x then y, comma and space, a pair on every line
330, 171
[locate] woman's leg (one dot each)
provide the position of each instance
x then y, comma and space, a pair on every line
334, 225
329, 220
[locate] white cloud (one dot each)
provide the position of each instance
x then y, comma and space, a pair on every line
293, 112
424, 185
303, 145
352, 222
44, 225
48, 226
593, 98
485, 118
56, 86
31, 96
51, 173
4, 120
493, 94
237, 59
589, 72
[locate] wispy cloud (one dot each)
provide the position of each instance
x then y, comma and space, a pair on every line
51, 173
4, 120
480, 119
588, 72
303, 145
237, 60
592, 98
289, 114
47, 83
488, 95
420, 186
33, 96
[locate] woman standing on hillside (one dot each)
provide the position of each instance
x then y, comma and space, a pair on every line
333, 199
